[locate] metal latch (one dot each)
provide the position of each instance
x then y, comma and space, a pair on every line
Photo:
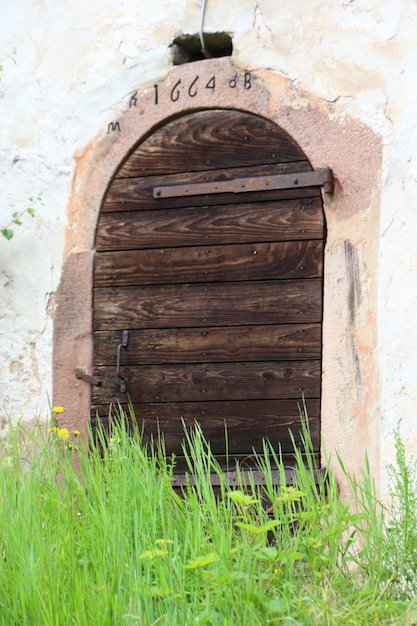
125, 341
93, 380
316, 178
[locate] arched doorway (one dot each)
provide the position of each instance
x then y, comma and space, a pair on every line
208, 302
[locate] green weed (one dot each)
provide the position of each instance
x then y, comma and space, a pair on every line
98, 536
400, 547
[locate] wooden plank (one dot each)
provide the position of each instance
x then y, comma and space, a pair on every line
244, 461
210, 382
245, 476
255, 261
244, 424
195, 226
208, 304
216, 344
133, 194
228, 463
214, 138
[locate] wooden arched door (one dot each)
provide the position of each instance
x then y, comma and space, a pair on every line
208, 302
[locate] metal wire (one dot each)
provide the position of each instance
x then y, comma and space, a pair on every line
203, 10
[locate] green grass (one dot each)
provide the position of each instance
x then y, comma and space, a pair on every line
102, 539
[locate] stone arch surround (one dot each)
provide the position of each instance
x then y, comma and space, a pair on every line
350, 389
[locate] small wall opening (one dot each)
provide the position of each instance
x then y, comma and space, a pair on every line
187, 48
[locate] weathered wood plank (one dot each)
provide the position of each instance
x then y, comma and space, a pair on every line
245, 476
133, 194
196, 226
208, 304
215, 138
255, 261
210, 382
245, 424
214, 344
227, 463
244, 461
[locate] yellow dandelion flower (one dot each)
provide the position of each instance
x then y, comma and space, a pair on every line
54, 429
75, 433
69, 446
63, 433
58, 409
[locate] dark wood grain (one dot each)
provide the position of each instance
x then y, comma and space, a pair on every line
216, 344
247, 462
210, 304
221, 293
240, 474
133, 194
209, 140
196, 226
255, 261
245, 423
211, 382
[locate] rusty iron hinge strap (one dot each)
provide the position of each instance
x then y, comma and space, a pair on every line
323, 177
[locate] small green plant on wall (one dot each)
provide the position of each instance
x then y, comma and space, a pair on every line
17, 216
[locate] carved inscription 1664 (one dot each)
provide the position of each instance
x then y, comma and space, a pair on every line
184, 90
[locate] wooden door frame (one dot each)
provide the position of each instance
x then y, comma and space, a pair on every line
349, 389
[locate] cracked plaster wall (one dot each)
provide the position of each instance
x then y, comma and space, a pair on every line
75, 63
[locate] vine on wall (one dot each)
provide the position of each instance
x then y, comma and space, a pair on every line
16, 218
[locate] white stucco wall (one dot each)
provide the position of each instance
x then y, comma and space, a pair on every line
76, 62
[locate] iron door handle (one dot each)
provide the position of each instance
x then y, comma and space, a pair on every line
125, 341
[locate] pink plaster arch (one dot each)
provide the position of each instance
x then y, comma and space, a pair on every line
351, 149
